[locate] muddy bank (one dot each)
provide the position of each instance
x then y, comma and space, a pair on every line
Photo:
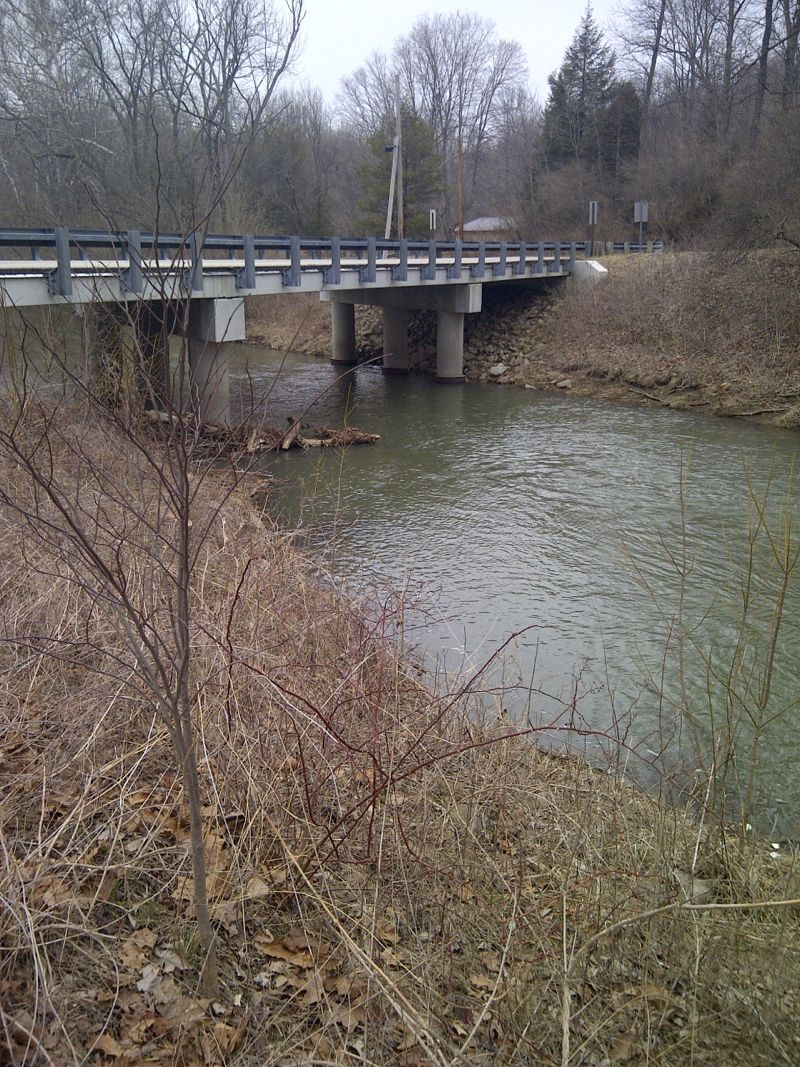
720, 334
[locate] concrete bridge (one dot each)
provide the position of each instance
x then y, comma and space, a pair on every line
196, 286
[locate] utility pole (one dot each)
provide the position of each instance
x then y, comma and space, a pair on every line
399, 153
396, 180
460, 185
388, 231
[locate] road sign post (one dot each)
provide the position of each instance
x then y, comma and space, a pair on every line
640, 211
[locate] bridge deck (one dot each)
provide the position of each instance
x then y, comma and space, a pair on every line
29, 282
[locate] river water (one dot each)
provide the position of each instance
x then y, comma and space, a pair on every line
566, 522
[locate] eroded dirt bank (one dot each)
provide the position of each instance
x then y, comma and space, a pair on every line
717, 333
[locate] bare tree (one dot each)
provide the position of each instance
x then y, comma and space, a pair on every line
790, 32
763, 61
454, 71
367, 95
158, 106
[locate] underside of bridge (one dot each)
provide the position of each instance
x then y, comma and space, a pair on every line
204, 324
450, 302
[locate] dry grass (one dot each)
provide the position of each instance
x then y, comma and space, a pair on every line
692, 330
299, 323
391, 882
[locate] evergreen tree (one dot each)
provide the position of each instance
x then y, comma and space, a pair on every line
619, 126
423, 176
580, 92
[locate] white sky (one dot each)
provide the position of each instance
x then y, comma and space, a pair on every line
340, 34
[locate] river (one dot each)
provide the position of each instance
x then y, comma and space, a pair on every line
566, 522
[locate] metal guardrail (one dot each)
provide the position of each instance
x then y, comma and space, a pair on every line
137, 248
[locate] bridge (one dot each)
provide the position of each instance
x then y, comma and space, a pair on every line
195, 285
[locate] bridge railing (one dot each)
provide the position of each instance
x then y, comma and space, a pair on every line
135, 254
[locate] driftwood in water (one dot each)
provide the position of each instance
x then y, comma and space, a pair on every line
290, 437
343, 438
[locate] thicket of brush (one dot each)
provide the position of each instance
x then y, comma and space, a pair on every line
389, 879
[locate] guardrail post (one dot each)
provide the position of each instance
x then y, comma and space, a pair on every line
195, 272
479, 269
370, 272
291, 277
428, 272
333, 273
540, 267
132, 280
555, 267
572, 255
246, 276
499, 269
521, 266
454, 270
59, 281
400, 272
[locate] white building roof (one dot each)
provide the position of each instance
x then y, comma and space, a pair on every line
488, 222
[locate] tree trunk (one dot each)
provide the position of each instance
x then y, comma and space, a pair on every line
209, 974
763, 61
792, 31
651, 74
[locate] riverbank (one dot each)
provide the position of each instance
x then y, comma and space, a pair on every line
391, 880
719, 334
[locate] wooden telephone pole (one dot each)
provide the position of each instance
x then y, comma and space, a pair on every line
396, 181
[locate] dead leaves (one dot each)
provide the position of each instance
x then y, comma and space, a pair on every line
135, 949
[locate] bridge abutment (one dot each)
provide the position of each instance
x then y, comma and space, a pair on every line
343, 334
395, 340
449, 347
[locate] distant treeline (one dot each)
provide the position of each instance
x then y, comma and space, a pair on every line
163, 114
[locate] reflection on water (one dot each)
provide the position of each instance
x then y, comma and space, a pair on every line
560, 520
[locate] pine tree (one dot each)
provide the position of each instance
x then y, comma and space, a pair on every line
580, 92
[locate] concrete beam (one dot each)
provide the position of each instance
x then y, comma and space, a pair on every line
343, 331
395, 341
450, 347
460, 298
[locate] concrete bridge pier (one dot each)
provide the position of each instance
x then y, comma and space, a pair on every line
450, 302
449, 347
395, 340
343, 330
210, 323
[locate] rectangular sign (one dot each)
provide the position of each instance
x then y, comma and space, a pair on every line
640, 211
432, 219
592, 212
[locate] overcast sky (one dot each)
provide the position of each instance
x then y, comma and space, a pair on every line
340, 34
